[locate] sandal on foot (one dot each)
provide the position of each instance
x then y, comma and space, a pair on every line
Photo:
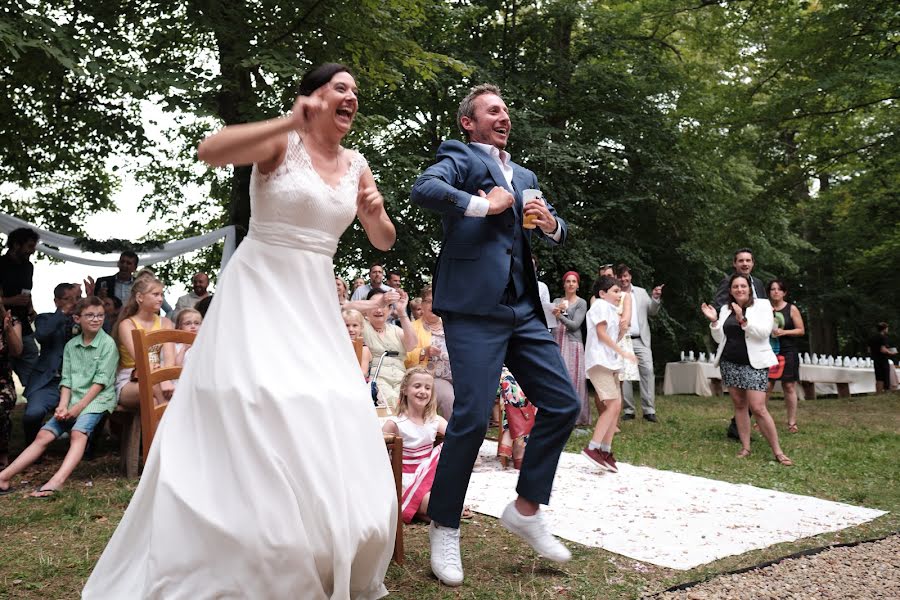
467, 513
505, 454
792, 428
783, 459
10, 490
43, 493
744, 453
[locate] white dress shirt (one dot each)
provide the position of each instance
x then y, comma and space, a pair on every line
478, 206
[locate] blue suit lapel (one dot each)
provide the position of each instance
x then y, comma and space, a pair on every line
497, 176
520, 182
492, 166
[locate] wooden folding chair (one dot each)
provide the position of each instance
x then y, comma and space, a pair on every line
139, 433
394, 445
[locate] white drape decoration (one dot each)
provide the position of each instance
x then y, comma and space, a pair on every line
63, 245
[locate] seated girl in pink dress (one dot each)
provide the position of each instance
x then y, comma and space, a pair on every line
418, 423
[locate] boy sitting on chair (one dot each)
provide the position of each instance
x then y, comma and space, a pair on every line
86, 394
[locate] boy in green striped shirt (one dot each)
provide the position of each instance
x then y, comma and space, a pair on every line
87, 392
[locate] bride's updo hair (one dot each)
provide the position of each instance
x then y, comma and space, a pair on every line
319, 76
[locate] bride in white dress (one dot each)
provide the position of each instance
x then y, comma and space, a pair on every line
268, 476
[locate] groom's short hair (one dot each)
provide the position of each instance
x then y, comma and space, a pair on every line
467, 106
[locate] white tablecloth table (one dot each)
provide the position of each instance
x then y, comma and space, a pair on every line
689, 378
694, 378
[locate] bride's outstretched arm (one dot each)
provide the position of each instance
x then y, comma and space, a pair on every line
263, 142
371, 213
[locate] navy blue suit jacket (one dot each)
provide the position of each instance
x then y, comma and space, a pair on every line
473, 267
52, 331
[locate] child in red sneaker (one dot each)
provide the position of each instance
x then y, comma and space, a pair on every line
603, 360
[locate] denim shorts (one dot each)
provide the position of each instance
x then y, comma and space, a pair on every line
85, 423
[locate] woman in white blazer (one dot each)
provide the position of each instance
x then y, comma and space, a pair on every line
742, 328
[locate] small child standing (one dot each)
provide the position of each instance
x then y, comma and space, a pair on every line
353, 319
603, 359
86, 394
418, 423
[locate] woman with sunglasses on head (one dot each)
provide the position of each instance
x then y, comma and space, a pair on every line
741, 328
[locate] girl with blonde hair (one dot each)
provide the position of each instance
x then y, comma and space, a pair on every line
188, 319
418, 423
141, 311
354, 320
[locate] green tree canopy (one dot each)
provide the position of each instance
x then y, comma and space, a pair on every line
666, 132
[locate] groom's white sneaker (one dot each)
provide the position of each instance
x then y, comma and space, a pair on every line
533, 530
445, 561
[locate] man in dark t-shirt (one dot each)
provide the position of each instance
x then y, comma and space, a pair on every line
16, 275
743, 263
881, 352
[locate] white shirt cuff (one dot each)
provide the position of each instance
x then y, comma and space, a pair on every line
557, 234
478, 207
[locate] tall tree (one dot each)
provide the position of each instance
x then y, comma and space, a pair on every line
68, 103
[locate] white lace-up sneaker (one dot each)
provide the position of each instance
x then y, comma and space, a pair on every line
446, 563
534, 531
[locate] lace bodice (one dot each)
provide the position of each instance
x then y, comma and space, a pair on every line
292, 206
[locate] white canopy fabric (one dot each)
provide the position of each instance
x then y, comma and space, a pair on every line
64, 245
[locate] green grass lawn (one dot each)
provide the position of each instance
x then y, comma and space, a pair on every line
846, 451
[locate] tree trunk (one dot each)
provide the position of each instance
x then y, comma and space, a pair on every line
235, 96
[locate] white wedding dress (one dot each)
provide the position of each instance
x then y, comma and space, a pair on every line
268, 477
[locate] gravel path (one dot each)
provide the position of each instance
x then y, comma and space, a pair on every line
870, 571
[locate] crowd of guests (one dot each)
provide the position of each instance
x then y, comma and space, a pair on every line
76, 364
605, 343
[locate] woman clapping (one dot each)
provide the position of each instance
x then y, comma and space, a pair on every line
742, 330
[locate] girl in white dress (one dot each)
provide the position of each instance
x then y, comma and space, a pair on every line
418, 423
268, 476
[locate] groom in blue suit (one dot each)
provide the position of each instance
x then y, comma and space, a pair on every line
486, 291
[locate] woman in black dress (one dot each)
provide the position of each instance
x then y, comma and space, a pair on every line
787, 335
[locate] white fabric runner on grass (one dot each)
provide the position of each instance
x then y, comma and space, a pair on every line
661, 517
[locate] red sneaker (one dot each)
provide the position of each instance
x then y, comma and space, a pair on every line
597, 457
610, 461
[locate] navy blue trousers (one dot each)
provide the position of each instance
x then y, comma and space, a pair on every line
479, 346
41, 403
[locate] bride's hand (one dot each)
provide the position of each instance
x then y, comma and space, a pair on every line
369, 201
305, 108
